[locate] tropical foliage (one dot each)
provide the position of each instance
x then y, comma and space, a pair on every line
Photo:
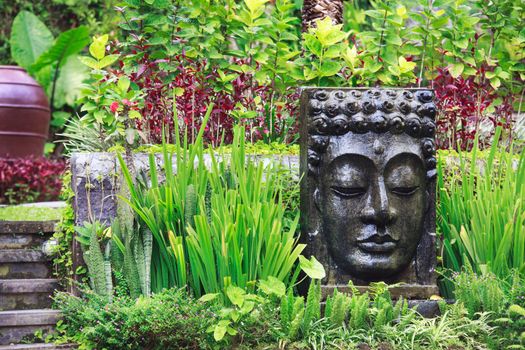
481, 210
276, 319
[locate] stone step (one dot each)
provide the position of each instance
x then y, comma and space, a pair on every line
27, 227
25, 270
19, 325
22, 256
21, 240
25, 294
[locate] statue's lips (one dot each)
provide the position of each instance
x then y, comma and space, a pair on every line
378, 244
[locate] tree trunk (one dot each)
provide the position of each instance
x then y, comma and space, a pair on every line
314, 10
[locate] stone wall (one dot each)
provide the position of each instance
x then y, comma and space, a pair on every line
96, 180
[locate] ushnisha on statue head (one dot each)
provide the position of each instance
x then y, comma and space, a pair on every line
370, 167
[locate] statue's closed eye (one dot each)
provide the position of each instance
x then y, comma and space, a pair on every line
404, 191
348, 192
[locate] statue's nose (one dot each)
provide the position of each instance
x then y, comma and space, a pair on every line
377, 209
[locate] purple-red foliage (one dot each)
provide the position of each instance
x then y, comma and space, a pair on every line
30, 179
462, 104
198, 90
196, 86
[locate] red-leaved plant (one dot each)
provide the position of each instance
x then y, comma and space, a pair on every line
30, 179
464, 106
193, 85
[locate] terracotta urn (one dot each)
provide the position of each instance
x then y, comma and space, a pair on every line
24, 114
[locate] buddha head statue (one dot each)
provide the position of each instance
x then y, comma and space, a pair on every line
368, 158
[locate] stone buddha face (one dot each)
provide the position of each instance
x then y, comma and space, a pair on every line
372, 199
369, 157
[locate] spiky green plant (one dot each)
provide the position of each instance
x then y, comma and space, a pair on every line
336, 309
313, 305
217, 225
359, 311
99, 267
108, 271
482, 211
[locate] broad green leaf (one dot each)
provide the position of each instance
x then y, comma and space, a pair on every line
236, 295
313, 268
59, 119
328, 33
272, 286
406, 66
133, 114
97, 50
208, 297
394, 39
313, 44
330, 68
394, 69
29, 39
90, 62
256, 7
495, 82
456, 69
333, 51
371, 65
462, 43
350, 56
69, 82
219, 331
470, 60
67, 44
490, 75
107, 60
123, 84
247, 307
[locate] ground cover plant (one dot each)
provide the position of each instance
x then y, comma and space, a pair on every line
281, 320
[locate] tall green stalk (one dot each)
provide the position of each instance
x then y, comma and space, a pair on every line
213, 225
483, 211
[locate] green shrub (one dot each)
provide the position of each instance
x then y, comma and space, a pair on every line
500, 301
168, 320
172, 319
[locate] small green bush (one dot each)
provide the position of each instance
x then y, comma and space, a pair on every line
168, 320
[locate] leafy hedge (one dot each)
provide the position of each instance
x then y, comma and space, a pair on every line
30, 179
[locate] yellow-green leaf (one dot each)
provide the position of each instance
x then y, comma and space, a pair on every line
90, 62
313, 268
401, 11
108, 60
133, 114
456, 69
405, 66
97, 48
